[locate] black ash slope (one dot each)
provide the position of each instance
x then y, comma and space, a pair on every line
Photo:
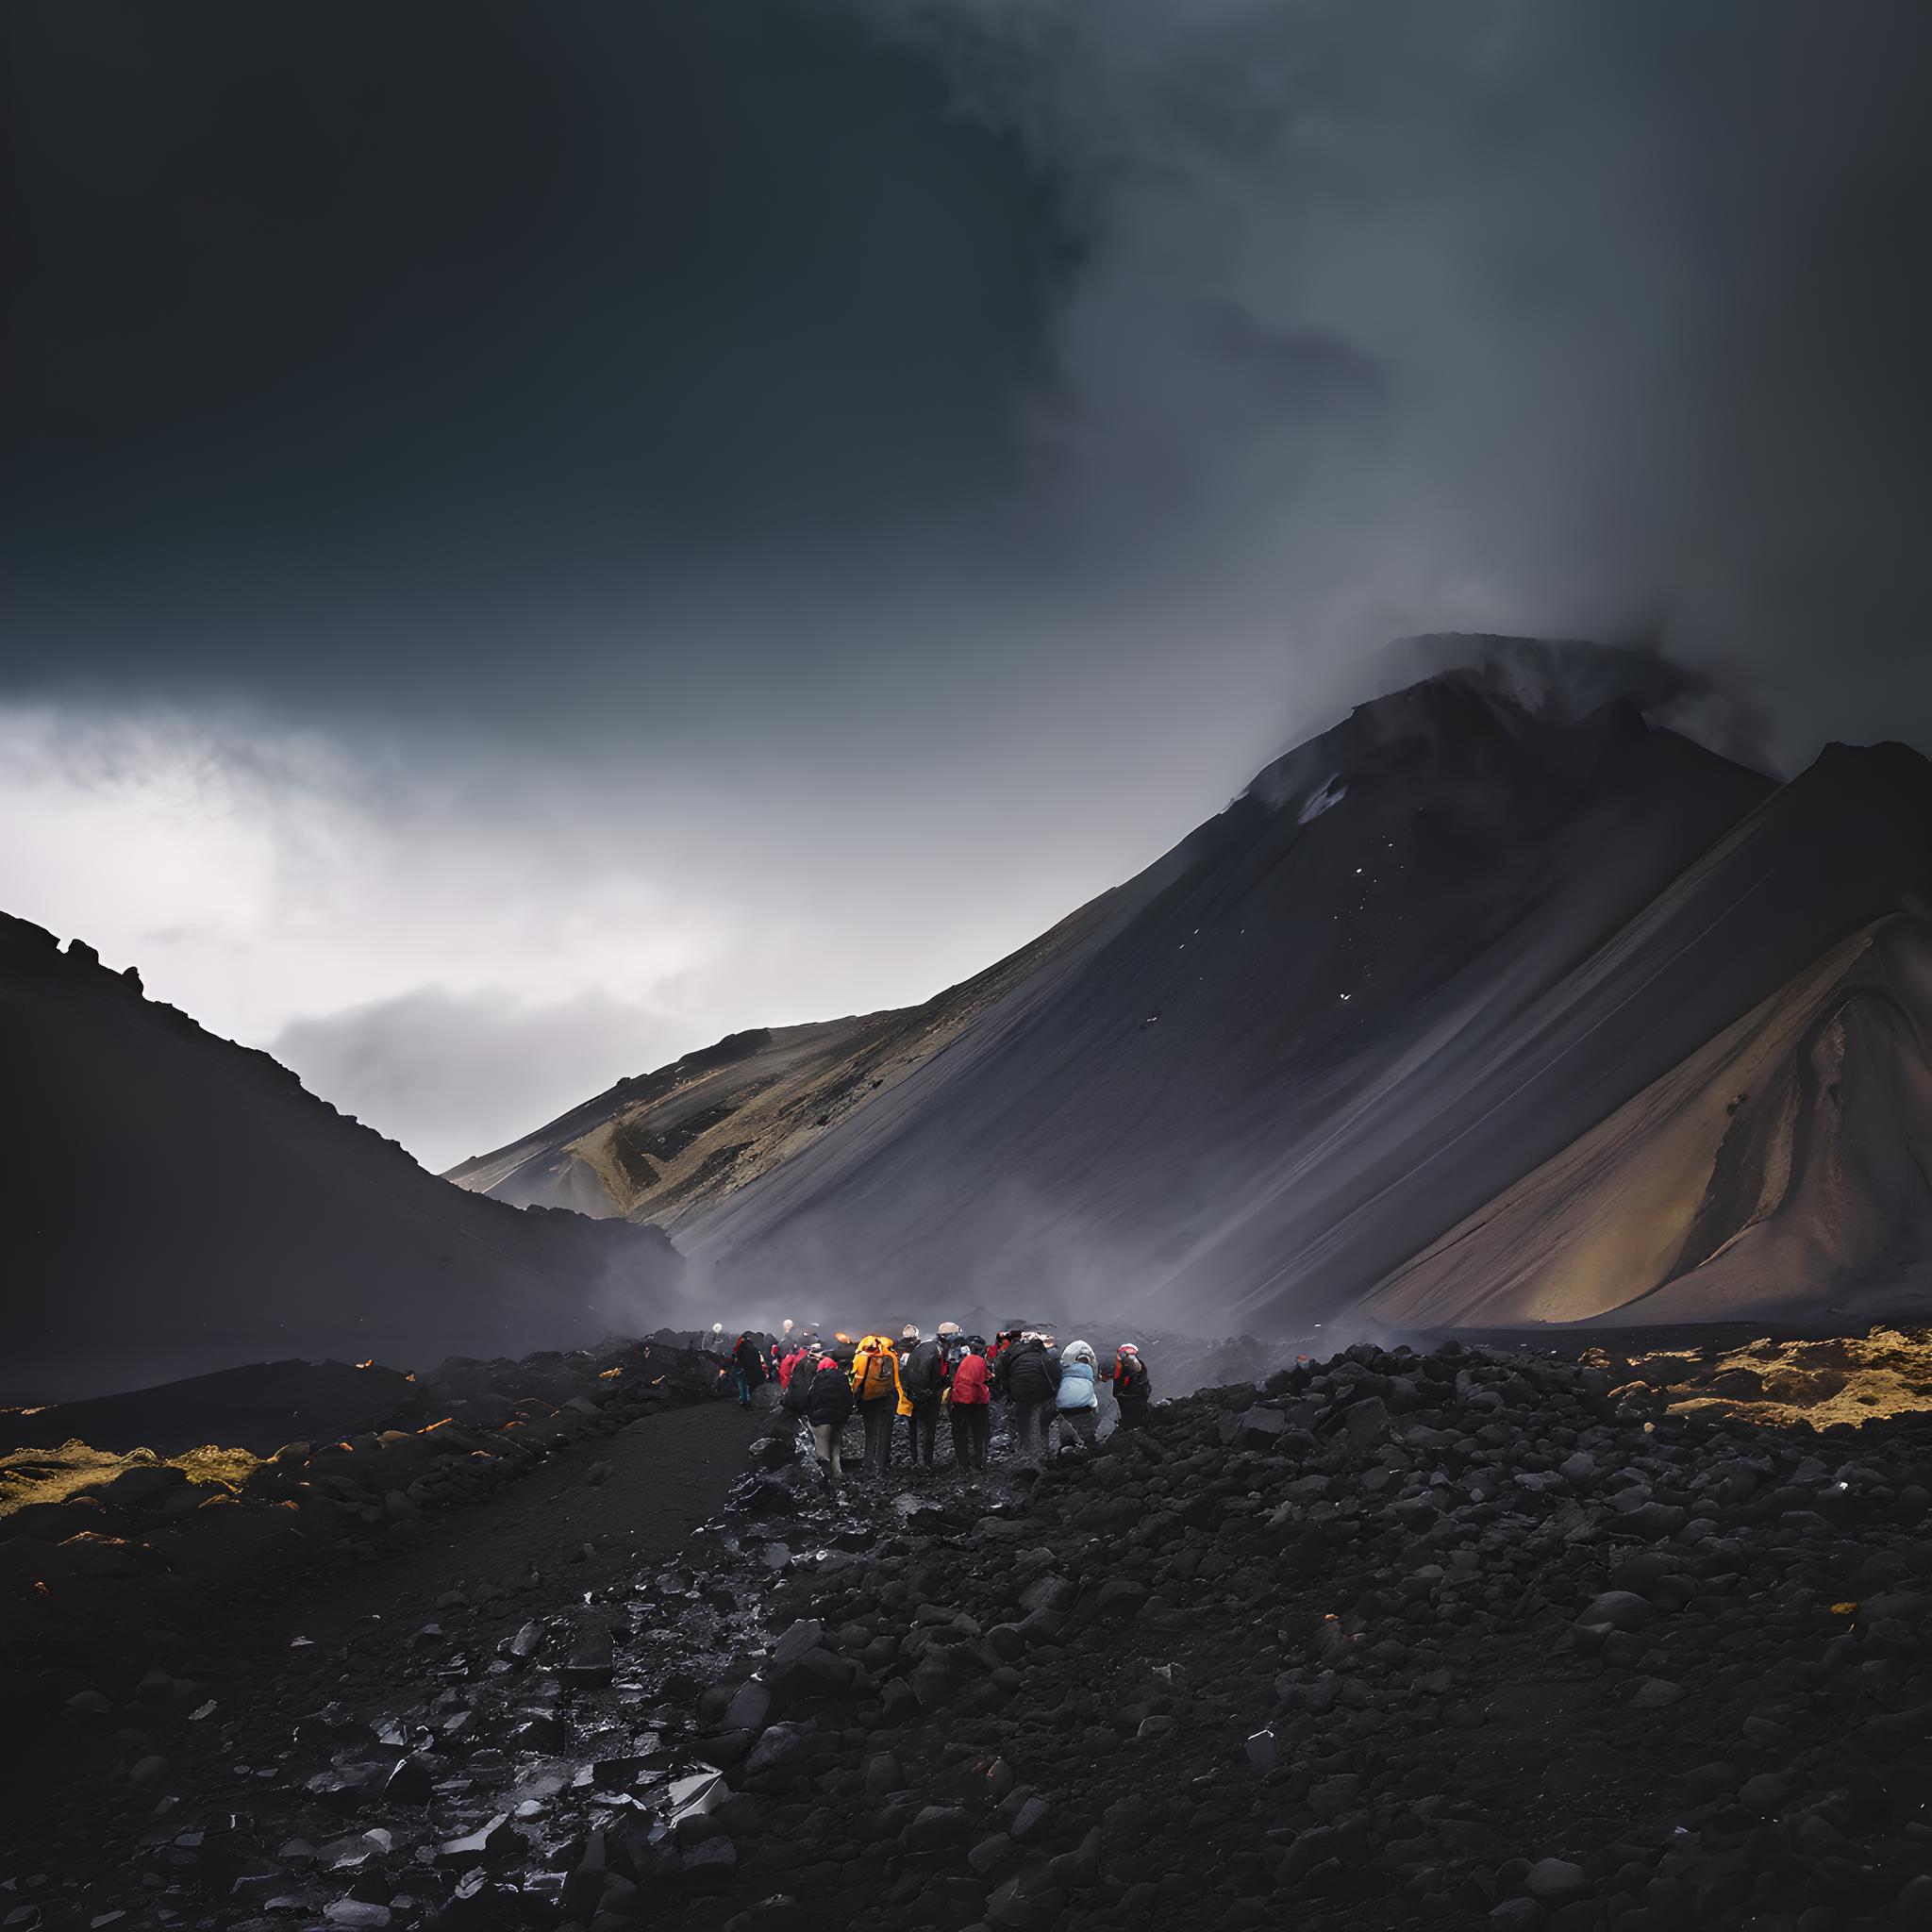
178, 1204
1424, 956
1282, 1063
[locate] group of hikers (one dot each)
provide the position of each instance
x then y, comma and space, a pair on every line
919, 1378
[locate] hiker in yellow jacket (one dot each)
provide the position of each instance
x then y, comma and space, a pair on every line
875, 1387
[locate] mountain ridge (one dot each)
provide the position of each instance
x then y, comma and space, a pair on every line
180, 1202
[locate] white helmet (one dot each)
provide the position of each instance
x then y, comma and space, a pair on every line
717, 1328
910, 1332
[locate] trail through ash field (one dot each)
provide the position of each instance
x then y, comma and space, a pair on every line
1477, 1636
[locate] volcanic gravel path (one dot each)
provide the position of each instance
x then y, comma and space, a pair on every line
580, 1520
573, 1525
1475, 1639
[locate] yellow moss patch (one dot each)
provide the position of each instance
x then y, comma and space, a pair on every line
1852, 1378
51, 1475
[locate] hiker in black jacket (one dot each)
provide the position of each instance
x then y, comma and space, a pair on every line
826, 1404
748, 1362
1133, 1387
922, 1383
797, 1396
829, 1410
1031, 1378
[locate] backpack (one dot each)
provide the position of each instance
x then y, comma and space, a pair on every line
924, 1372
878, 1376
1076, 1388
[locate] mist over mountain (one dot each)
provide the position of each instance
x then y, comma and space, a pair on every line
1418, 957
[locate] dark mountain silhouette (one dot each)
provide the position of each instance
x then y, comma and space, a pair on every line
1399, 1033
176, 1204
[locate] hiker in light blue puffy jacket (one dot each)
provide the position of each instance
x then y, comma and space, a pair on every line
1076, 1404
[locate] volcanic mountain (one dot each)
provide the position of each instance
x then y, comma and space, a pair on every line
178, 1204
1486, 1006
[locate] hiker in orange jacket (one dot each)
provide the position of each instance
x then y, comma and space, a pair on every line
875, 1389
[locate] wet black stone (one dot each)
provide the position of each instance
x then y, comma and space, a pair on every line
412, 1782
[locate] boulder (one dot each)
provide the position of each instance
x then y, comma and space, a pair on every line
1555, 1880
1621, 1609
1259, 1428
938, 1826
410, 1783
593, 1657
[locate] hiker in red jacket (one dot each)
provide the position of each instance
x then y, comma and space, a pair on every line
968, 1399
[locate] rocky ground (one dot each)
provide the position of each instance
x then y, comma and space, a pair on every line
1480, 1637
109, 1558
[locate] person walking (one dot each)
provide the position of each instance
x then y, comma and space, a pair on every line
828, 1409
1030, 1380
795, 1391
748, 1365
922, 1383
875, 1389
968, 1401
1133, 1386
789, 1362
797, 1384
1077, 1401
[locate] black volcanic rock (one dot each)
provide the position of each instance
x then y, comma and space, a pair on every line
1259, 1687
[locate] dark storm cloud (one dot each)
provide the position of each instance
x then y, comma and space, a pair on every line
357, 317
522, 357
1610, 316
745, 508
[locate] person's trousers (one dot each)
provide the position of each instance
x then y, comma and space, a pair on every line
1029, 1428
877, 1415
744, 1389
971, 1426
825, 1443
1133, 1412
1078, 1425
922, 1431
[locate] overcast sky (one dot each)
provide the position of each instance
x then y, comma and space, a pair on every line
538, 536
